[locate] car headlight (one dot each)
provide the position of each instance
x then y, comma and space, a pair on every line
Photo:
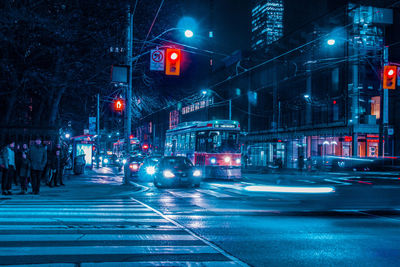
124, 161
213, 160
105, 161
168, 174
197, 173
117, 160
151, 170
227, 159
134, 166
238, 161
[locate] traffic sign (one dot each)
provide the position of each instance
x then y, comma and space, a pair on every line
157, 59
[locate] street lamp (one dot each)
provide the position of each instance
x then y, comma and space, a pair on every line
331, 42
188, 34
204, 92
67, 135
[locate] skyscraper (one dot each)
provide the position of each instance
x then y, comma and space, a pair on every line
266, 22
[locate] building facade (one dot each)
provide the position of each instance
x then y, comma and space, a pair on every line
266, 22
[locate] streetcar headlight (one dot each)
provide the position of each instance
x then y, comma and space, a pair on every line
168, 174
197, 173
227, 159
238, 161
151, 170
105, 161
124, 161
213, 160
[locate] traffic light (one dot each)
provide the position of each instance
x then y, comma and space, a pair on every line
389, 77
119, 105
173, 62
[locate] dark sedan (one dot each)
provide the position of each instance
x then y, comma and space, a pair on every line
176, 171
132, 166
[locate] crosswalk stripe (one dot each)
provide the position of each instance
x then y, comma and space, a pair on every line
162, 263
106, 250
83, 237
214, 193
47, 233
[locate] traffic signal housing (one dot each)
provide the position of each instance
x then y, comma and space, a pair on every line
173, 62
389, 77
119, 105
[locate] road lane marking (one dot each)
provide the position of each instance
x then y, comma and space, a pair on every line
221, 251
214, 193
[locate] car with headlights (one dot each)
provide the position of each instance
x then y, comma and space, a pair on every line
176, 171
147, 169
132, 166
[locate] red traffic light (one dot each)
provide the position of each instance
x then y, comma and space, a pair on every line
173, 62
174, 56
389, 77
119, 105
145, 146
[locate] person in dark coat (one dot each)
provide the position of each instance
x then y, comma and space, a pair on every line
4, 169
54, 165
24, 172
38, 158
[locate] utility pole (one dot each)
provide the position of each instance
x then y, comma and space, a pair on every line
128, 93
230, 109
98, 130
383, 127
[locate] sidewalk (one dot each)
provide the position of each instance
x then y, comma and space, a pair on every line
89, 185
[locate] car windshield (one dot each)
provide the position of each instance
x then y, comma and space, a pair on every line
177, 163
218, 141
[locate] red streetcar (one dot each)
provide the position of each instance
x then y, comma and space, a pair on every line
212, 145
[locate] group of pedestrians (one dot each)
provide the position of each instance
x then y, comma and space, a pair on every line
30, 165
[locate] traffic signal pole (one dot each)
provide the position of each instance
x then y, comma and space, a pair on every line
128, 93
383, 126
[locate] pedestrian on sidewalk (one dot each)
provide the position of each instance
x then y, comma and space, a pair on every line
12, 175
54, 166
25, 149
24, 172
38, 158
4, 169
300, 163
63, 162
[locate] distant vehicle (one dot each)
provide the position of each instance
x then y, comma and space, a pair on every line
337, 163
147, 169
176, 171
212, 146
119, 147
131, 167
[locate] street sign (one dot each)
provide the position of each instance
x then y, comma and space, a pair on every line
157, 59
92, 125
119, 74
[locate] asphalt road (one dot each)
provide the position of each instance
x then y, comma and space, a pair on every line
262, 220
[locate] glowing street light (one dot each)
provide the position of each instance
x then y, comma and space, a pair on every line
331, 42
67, 135
188, 34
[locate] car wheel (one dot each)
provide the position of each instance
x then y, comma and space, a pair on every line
156, 183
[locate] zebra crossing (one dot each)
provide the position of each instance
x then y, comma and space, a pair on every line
120, 232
